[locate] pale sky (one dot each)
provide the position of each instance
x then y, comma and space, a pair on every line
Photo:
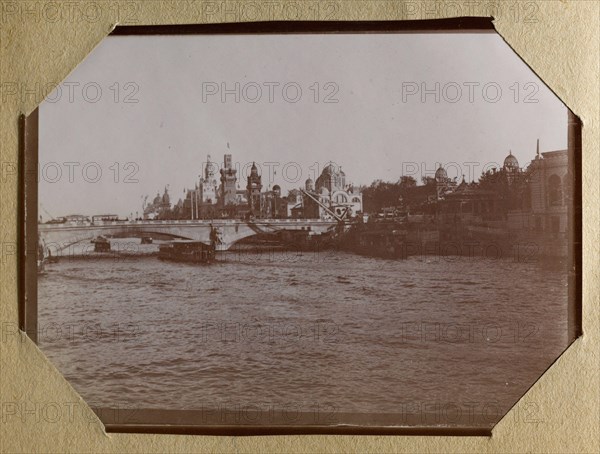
375, 130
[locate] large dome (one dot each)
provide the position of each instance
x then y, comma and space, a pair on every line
510, 162
329, 170
440, 174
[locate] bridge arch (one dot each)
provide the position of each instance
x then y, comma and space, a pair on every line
229, 231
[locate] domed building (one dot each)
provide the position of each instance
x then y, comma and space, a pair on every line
511, 166
166, 200
331, 197
331, 178
510, 163
441, 176
309, 185
443, 183
544, 217
160, 206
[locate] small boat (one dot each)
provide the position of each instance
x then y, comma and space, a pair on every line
101, 244
187, 251
146, 240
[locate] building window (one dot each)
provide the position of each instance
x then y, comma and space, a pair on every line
554, 190
341, 198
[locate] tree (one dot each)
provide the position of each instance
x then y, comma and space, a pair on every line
511, 190
382, 194
407, 181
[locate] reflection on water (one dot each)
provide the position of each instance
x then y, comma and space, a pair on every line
363, 334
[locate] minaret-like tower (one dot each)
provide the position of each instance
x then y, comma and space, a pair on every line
228, 180
254, 187
208, 183
209, 171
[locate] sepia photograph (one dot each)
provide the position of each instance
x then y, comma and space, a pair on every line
264, 231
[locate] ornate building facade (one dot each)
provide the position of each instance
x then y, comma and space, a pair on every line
549, 195
331, 197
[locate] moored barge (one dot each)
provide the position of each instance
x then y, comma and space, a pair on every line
187, 251
376, 239
101, 244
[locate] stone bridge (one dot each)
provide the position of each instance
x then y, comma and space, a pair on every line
57, 237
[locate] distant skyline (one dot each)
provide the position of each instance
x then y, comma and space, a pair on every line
379, 126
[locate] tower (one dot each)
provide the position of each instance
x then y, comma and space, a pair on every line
254, 187
209, 171
228, 180
208, 183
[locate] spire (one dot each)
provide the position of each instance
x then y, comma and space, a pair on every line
538, 148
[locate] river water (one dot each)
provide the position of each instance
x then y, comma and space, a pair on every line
360, 334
